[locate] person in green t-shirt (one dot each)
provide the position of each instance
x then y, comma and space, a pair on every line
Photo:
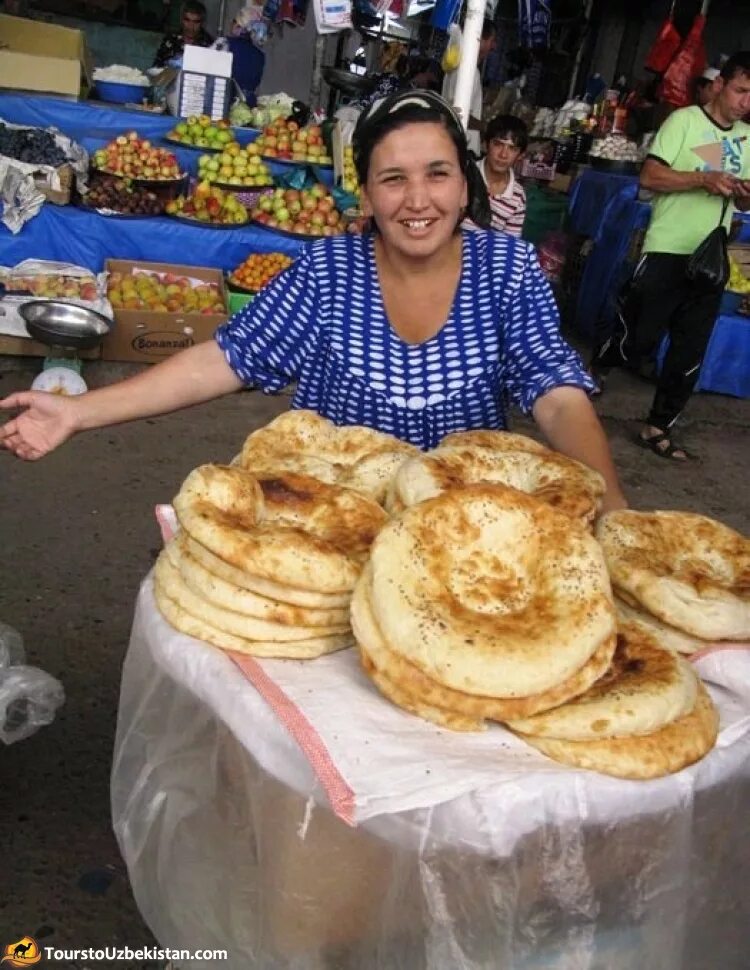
699, 160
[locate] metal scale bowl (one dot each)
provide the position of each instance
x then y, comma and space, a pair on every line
65, 328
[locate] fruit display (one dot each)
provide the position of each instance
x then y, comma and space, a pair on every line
34, 146
243, 115
209, 204
258, 270
198, 131
135, 157
738, 282
309, 212
54, 286
163, 292
238, 166
350, 182
119, 195
285, 140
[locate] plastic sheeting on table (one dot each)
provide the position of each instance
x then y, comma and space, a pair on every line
229, 844
592, 194
88, 239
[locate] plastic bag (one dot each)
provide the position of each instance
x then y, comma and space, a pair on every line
452, 53
665, 46
11, 646
688, 63
29, 699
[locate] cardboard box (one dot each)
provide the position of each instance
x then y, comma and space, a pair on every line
145, 336
26, 347
35, 56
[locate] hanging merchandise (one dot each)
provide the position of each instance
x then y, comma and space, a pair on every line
688, 63
332, 16
665, 46
452, 53
534, 21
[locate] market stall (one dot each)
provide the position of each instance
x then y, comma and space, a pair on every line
306, 813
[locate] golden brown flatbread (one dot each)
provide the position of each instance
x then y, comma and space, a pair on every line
567, 485
489, 591
192, 626
410, 684
687, 570
667, 750
645, 688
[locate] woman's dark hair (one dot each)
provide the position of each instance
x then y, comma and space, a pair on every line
373, 127
508, 126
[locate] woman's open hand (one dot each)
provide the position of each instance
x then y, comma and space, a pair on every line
44, 423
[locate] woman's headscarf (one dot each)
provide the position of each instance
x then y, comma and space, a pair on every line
383, 115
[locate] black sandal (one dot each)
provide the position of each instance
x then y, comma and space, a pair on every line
668, 448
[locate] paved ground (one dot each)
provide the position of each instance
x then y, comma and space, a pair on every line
76, 536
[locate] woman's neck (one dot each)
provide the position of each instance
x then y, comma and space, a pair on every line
404, 268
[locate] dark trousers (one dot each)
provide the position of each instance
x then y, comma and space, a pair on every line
661, 299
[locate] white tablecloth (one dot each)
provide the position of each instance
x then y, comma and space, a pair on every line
469, 851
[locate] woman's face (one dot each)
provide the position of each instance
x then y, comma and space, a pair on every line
415, 189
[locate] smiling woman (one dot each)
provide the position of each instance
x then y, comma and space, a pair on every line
417, 329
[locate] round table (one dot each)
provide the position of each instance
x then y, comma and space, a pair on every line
230, 842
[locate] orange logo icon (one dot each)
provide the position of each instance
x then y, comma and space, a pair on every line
22, 954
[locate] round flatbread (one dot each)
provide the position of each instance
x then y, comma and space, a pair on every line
181, 620
491, 592
565, 484
414, 705
667, 750
410, 683
687, 570
305, 433
494, 441
668, 637
299, 531
218, 496
645, 688
278, 592
229, 596
238, 624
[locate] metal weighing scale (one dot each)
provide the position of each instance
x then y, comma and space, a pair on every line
65, 328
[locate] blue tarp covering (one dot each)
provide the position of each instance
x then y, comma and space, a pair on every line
87, 239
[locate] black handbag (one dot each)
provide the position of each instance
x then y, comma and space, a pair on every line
708, 266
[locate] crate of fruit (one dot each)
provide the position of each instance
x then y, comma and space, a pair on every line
38, 279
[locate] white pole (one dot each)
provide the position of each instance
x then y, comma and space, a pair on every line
467, 69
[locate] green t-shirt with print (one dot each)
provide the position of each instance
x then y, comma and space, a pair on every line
689, 141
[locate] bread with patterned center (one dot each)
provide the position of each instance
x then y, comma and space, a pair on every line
687, 570
489, 591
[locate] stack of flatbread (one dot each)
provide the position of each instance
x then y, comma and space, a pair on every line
265, 565
683, 577
302, 441
484, 603
475, 457
649, 715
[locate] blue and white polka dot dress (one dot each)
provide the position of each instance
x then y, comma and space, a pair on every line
322, 322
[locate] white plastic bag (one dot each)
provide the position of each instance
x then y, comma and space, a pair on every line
29, 699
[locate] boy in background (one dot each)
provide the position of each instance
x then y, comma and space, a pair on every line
506, 139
